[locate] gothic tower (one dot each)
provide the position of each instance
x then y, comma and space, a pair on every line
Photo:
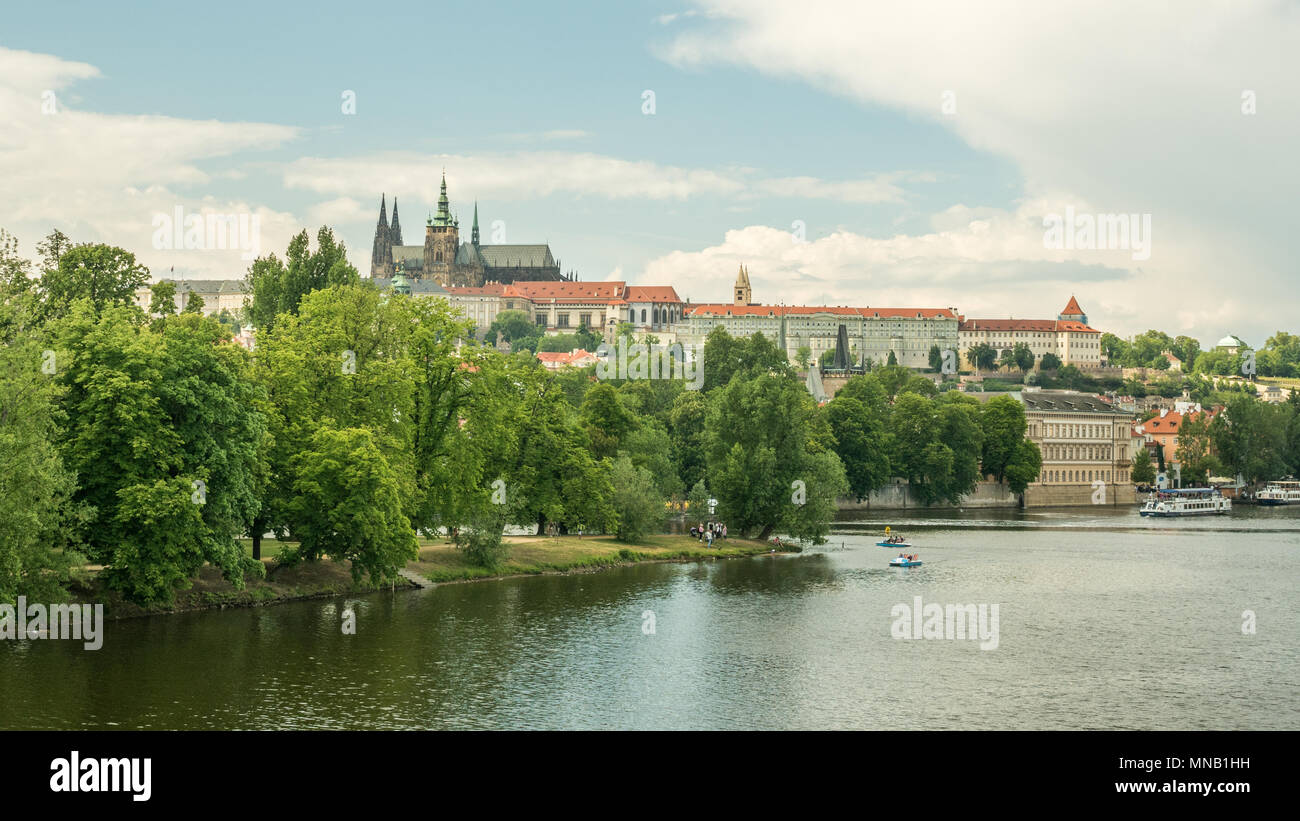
381, 256
395, 232
744, 294
441, 240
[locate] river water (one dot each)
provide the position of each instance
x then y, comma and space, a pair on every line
1105, 620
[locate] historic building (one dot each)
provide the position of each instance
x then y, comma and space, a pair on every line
446, 260
873, 333
563, 307
1084, 440
1068, 336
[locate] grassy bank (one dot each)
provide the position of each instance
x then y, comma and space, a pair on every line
440, 561
309, 580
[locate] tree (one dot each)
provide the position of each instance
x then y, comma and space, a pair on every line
686, 432
1144, 470
697, 501
636, 499
163, 302
1007, 359
862, 442
763, 462
194, 304
803, 356
165, 430
52, 249
1049, 362
105, 275
1250, 437
1003, 422
1195, 461
982, 357
650, 447
1025, 465
512, 325
36, 489
347, 505
606, 419
1023, 356
275, 287
892, 359
935, 359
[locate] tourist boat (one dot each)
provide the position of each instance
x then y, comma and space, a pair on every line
899, 561
1191, 501
893, 544
1282, 492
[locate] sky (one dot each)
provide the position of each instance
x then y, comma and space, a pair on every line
920, 154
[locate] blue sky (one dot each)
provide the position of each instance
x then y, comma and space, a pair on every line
828, 114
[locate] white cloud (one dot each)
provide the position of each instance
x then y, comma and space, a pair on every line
103, 177
1133, 107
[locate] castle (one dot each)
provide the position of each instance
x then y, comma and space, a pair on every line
446, 260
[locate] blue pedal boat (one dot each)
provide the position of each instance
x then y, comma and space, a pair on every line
899, 562
893, 544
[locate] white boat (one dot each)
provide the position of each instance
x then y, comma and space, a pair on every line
1191, 501
1282, 492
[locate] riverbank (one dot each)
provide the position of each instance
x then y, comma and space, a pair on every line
439, 562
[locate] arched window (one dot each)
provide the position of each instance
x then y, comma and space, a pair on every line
439, 257
643, 315
631, 314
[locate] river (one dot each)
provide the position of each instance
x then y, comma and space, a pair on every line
1106, 620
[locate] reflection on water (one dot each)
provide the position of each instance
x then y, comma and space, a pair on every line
1106, 621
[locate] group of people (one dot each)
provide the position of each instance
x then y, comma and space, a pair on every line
910, 557
894, 540
709, 532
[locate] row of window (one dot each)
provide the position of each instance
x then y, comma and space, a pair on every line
1064, 431
1088, 454
1075, 476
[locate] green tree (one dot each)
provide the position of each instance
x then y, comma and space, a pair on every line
803, 356
1023, 356
982, 357
862, 440
762, 458
1144, 470
512, 325
194, 304
891, 359
163, 302
105, 275
1049, 362
347, 505
1025, 465
1195, 460
1003, 422
936, 359
607, 420
636, 499
276, 288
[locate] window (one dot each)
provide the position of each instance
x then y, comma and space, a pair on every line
643, 315
584, 320
562, 320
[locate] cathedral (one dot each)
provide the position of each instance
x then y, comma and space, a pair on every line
446, 260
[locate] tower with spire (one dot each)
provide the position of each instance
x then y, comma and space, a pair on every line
381, 256
744, 294
441, 240
473, 233
395, 231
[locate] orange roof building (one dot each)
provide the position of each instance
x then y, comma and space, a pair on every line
1068, 336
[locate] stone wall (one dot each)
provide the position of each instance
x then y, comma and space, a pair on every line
899, 497
1077, 495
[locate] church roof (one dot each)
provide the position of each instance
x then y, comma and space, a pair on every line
523, 256
408, 253
468, 254
425, 287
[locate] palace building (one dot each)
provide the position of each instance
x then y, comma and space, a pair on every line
446, 260
873, 333
1068, 337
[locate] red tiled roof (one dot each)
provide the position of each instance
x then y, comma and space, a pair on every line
651, 293
723, 309
493, 289
562, 358
568, 290
1072, 307
1171, 422
1051, 325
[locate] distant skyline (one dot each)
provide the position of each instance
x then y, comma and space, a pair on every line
847, 153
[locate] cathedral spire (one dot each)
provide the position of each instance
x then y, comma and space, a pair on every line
444, 213
383, 212
381, 254
396, 231
473, 234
